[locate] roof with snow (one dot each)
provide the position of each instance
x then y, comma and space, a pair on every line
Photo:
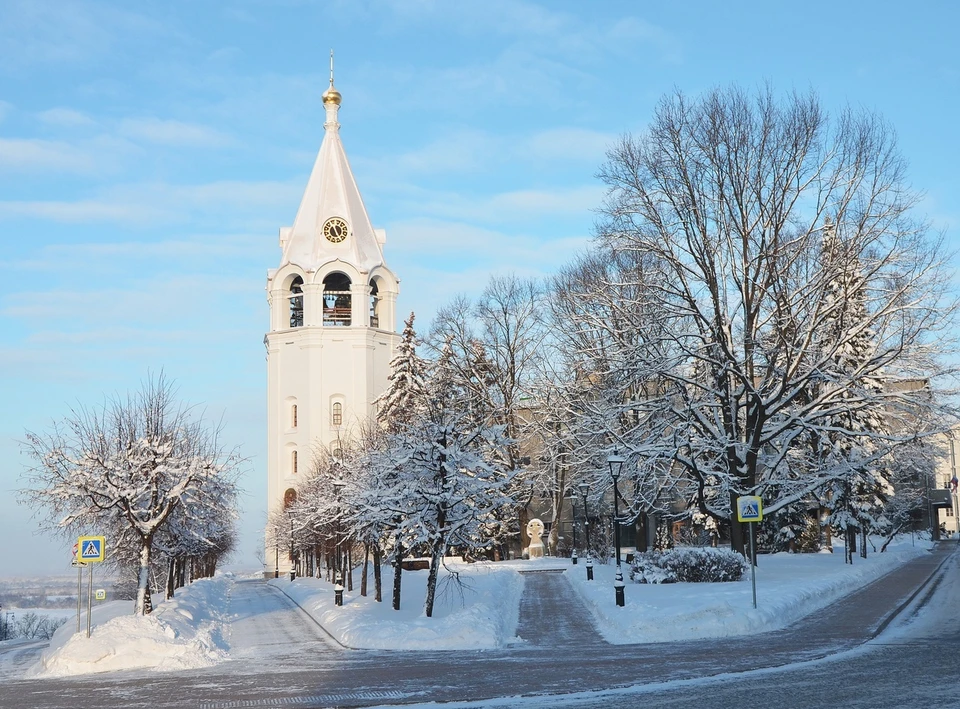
331, 193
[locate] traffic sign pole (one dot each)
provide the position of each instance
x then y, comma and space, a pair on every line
89, 600
88, 551
750, 510
753, 565
79, 592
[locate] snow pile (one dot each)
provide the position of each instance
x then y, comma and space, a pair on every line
184, 632
478, 613
789, 587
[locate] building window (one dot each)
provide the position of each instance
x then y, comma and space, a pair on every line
293, 463
289, 498
293, 416
296, 302
337, 416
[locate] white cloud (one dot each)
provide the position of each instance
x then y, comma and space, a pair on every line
65, 118
80, 211
56, 34
173, 133
225, 202
458, 152
35, 155
458, 243
571, 144
523, 205
186, 251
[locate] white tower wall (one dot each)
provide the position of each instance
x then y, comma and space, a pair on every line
334, 357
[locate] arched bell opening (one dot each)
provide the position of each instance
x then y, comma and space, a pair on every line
374, 303
295, 296
336, 300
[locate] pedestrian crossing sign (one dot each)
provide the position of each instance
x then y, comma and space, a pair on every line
92, 549
749, 509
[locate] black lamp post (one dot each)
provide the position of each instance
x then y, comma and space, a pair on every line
616, 462
293, 568
584, 489
338, 562
572, 496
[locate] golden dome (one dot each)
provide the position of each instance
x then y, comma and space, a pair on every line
331, 95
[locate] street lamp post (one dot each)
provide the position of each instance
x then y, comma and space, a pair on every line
572, 496
584, 489
293, 567
338, 562
616, 462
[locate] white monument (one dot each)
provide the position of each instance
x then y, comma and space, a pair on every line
332, 323
535, 532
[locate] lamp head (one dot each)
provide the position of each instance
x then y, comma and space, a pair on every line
615, 462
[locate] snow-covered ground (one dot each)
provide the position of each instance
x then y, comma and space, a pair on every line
193, 630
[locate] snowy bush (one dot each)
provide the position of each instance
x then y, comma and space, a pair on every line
691, 565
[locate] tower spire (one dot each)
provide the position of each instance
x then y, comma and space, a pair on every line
331, 101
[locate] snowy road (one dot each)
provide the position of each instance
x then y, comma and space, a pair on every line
282, 659
265, 623
551, 615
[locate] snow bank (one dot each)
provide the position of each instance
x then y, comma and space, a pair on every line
789, 587
478, 613
184, 632
481, 612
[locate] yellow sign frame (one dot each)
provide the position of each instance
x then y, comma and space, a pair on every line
745, 508
83, 544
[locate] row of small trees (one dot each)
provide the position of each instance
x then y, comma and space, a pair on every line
28, 625
430, 476
760, 313
150, 475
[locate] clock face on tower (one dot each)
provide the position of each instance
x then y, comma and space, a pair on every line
335, 230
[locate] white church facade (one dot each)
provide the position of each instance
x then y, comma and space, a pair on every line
332, 328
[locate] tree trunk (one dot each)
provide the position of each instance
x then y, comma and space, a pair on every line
863, 542
736, 528
144, 605
348, 560
171, 576
397, 573
366, 564
849, 539
377, 579
436, 558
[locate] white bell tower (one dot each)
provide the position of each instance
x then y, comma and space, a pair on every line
332, 323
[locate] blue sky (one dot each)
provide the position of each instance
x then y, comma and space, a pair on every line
150, 151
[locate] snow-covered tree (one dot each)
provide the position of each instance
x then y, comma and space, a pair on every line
451, 474
723, 199
125, 469
404, 398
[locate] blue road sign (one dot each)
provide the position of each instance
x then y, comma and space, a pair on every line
92, 549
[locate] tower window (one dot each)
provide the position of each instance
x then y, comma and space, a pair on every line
296, 302
289, 498
293, 463
337, 414
336, 300
293, 416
